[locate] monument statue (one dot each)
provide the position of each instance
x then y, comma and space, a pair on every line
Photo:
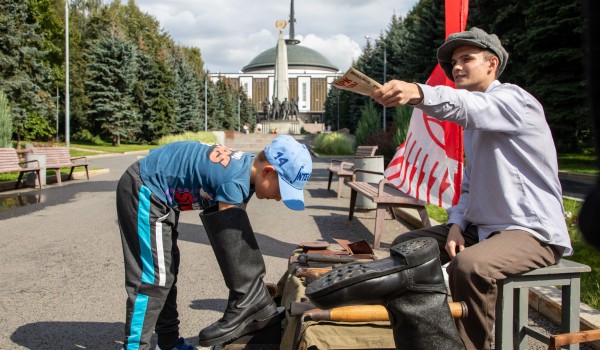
266, 106
293, 109
276, 108
285, 109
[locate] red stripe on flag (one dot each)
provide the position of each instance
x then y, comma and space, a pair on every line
431, 181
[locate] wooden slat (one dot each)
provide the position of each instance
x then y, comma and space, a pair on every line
9, 161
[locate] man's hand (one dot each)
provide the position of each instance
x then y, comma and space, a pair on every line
397, 92
455, 243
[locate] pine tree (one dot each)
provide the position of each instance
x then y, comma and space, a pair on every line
187, 95
111, 77
156, 108
544, 42
368, 124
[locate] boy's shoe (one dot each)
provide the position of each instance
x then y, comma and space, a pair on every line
180, 345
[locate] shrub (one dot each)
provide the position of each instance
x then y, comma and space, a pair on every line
333, 143
38, 128
201, 136
85, 136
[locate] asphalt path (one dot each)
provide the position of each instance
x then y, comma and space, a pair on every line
575, 187
62, 265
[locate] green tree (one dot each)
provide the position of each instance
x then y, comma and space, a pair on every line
544, 40
23, 76
401, 121
153, 98
367, 125
6, 129
49, 17
111, 77
186, 94
83, 32
413, 52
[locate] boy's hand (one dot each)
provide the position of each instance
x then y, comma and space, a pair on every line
397, 92
455, 243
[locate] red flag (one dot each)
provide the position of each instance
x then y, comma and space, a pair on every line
429, 164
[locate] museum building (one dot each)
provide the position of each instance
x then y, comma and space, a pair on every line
310, 75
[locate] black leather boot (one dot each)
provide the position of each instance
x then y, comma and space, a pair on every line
243, 268
422, 321
410, 284
412, 265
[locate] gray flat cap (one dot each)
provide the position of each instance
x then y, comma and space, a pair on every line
472, 37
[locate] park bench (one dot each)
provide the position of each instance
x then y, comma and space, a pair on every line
386, 196
10, 163
344, 169
58, 158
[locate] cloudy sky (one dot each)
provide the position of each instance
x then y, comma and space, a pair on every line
230, 33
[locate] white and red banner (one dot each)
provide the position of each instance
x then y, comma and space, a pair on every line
429, 164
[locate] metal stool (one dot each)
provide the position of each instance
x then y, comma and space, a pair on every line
513, 301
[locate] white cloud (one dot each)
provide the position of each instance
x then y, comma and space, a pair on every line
230, 33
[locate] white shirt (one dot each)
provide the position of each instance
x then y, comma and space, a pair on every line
511, 173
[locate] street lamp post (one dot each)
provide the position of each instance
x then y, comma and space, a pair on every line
57, 101
239, 121
384, 78
205, 103
384, 74
338, 110
67, 106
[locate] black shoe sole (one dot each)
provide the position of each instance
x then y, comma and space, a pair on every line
403, 256
267, 313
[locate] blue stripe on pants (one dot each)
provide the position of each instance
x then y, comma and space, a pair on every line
137, 322
145, 238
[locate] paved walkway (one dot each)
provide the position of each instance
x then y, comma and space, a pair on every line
62, 266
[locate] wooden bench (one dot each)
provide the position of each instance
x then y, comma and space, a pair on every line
10, 163
344, 169
58, 158
386, 196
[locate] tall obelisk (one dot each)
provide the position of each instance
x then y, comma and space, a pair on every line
281, 65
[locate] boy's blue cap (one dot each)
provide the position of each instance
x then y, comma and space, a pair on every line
293, 164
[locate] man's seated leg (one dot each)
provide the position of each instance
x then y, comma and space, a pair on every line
473, 273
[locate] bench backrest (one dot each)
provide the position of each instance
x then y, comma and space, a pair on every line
54, 155
9, 160
365, 151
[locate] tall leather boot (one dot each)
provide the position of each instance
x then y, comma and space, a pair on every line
243, 268
422, 321
410, 284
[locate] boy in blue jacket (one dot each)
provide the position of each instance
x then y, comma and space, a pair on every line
219, 181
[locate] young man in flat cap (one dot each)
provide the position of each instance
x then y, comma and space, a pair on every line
510, 217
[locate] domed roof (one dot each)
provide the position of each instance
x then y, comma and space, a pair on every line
299, 57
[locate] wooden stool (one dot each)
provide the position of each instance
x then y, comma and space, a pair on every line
513, 301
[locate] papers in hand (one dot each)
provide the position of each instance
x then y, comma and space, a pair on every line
355, 81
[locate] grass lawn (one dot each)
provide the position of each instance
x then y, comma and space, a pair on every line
583, 252
107, 148
584, 163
